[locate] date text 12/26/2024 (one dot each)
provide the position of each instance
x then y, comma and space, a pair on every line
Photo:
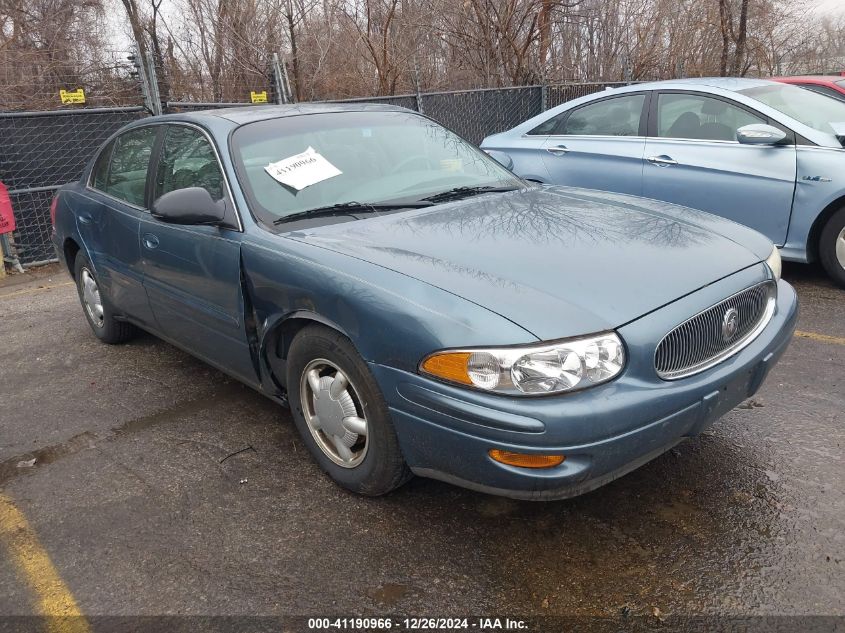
481, 624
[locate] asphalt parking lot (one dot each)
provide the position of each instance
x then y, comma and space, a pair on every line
161, 486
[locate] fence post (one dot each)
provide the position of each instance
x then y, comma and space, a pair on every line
7, 254
140, 66
152, 77
280, 81
544, 97
417, 86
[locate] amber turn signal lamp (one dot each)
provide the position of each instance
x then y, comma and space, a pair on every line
526, 460
449, 366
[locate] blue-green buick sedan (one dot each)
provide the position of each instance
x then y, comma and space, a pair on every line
421, 309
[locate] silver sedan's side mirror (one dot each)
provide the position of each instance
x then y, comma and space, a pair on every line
759, 134
500, 157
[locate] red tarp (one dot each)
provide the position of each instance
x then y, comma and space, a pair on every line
7, 218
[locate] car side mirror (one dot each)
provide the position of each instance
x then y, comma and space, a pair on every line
500, 157
759, 134
192, 205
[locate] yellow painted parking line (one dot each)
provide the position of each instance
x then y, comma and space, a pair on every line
30, 291
53, 598
822, 338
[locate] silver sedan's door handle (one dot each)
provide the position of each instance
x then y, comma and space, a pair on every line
557, 150
662, 161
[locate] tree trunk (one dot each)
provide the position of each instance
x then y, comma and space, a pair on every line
725, 27
739, 54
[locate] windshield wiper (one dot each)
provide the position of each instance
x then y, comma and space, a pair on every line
348, 208
465, 192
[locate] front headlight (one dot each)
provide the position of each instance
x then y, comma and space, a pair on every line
773, 262
537, 369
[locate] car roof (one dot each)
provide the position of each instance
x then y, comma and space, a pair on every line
249, 114
725, 83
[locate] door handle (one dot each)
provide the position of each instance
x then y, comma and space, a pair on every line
662, 161
557, 150
150, 241
85, 218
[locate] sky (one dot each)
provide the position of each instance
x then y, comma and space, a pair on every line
829, 6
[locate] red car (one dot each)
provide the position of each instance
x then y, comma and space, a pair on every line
830, 85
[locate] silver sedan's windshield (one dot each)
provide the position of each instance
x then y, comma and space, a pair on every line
361, 157
810, 108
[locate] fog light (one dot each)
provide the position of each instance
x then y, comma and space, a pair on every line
526, 460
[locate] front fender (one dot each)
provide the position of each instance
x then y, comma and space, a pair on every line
390, 318
820, 183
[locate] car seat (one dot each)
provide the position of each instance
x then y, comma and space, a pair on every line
713, 130
688, 125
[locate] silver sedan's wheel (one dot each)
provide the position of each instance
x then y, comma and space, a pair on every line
831, 247
91, 298
333, 412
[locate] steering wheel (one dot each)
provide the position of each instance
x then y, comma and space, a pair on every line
410, 160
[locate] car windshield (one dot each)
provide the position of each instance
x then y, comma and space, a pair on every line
810, 108
290, 165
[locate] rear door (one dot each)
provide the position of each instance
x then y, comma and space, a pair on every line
192, 273
109, 215
599, 145
692, 158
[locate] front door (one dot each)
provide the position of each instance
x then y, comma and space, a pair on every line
599, 145
692, 158
192, 273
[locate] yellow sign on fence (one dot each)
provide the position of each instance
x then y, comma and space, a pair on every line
258, 97
72, 96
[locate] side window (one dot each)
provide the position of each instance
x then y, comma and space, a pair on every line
701, 118
126, 178
619, 116
187, 160
549, 125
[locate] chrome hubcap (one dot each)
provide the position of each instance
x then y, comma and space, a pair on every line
840, 248
334, 413
91, 298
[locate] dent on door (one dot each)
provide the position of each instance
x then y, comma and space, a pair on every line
192, 276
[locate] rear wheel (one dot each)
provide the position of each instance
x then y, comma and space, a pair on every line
95, 305
341, 414
832, 247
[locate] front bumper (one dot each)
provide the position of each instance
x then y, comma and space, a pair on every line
445, 432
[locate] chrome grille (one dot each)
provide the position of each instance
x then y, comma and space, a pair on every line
704, 340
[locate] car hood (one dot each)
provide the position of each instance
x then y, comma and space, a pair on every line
557, 261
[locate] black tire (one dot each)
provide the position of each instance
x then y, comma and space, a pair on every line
382, 468
827, 247
109, 330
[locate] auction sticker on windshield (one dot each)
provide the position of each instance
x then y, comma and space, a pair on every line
302, 170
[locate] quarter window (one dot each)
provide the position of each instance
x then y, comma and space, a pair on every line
619, 116
100, 173
700, 118
188, 160
126, 177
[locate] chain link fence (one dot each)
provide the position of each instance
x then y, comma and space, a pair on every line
41, 152
48, 145
44, 79
475, 114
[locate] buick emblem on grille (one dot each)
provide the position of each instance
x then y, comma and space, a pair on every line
730, 323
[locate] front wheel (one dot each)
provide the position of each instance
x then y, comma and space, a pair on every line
832, 247
341, 414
